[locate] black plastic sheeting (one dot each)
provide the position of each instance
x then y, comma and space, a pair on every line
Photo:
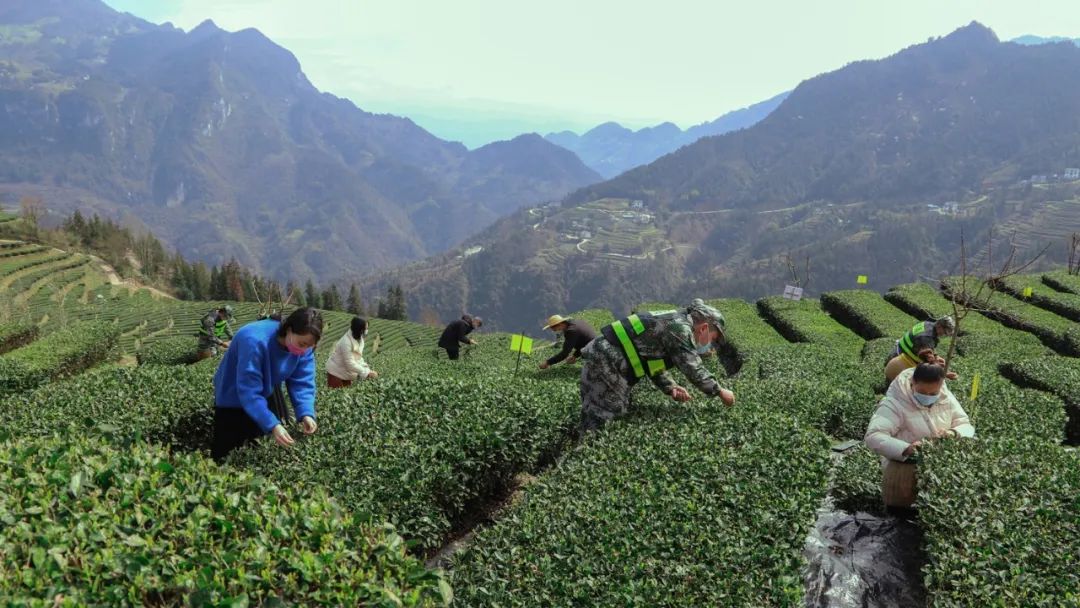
859, 560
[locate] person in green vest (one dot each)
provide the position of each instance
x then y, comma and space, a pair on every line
214, 332
918, 345
648, 345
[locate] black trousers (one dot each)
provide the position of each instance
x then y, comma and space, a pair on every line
453, 353
233, 428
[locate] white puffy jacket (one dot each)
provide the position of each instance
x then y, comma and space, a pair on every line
900, 421
347, 359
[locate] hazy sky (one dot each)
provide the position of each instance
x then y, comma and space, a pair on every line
480, 70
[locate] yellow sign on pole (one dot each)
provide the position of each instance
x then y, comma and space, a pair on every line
975, 387
1028, 291
521, 344
861, 279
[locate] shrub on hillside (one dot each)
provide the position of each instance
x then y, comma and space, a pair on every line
674, 506
418, 449
14, 335
999, 517
169, 405
177, 350
84, 523
63, 353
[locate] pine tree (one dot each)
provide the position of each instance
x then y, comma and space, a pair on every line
312, 296
398, 309
353, 305
331, 298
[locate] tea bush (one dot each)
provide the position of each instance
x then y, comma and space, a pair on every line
867, 313
978, 334
746, 331
63, 353
1049, 327
85, 523
168, 405
1000, 518
675, 506
1065, 304
1062, 281
418, 450
804, 321
176, 350
14, 335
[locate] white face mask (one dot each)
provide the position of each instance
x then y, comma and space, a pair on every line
925, 400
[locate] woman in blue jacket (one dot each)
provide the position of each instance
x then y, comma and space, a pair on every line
261, 356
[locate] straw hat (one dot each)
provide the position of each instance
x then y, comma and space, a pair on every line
554, 320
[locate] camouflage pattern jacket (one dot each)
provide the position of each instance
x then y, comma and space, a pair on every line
670, 336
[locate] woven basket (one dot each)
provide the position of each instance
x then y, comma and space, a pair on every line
898, 484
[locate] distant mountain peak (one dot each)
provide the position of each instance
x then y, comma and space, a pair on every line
207, 26
610, 148
973, 33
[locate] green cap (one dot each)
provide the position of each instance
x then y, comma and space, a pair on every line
707, 313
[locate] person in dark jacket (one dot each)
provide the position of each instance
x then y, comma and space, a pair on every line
575, 334
457, 333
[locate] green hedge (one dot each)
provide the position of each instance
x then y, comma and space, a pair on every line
671, 507
978, 334
856, 481
816, 385
1057, 375
1061, 280
1049, 327
169, 405
84, 523
63, 353
747, 333
1065, 304
177, 350
15, 335
419, 449
1000, 519
867, 313
804, 321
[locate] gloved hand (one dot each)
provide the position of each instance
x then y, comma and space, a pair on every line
308, 426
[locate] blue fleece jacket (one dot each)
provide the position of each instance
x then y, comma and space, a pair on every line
253, 364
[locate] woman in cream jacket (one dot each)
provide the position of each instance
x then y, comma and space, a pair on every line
346, 362
917, 406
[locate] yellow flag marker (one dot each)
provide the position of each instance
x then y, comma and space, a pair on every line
975, 387
521, 344
861, 279
1028, 291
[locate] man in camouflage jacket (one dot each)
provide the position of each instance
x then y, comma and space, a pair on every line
648, 345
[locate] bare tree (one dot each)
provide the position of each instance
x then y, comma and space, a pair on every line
974, 290
800, 278
1074, 254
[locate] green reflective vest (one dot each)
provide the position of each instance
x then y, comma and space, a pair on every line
922, 332
622, 331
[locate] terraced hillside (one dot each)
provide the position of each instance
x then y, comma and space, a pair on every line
478, 467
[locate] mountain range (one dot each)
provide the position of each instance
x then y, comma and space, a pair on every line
610, 149
218, 143
873, 169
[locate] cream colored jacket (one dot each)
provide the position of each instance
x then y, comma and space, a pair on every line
900, 421
347, 359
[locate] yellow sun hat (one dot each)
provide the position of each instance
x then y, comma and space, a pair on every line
554, 320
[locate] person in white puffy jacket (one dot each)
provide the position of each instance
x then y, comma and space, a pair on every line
346, 363
918, 406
